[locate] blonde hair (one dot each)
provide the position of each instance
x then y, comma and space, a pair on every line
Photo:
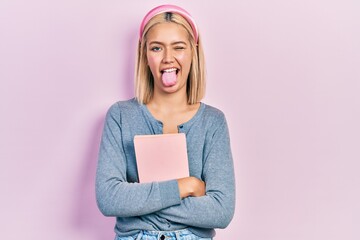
144, 80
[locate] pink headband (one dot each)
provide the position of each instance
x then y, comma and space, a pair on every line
172, 9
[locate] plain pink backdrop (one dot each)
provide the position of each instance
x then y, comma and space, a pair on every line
286, 74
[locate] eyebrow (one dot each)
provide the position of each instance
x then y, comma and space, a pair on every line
173, 43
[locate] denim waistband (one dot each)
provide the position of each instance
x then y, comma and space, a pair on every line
163, 235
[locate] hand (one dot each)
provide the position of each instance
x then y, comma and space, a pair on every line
191, 186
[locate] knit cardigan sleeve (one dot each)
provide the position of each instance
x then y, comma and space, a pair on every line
216, 208
117, 197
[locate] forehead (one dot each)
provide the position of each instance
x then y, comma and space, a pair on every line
167, 32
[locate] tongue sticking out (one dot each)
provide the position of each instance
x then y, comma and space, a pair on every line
169, 78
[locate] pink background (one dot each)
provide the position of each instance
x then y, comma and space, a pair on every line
286, 74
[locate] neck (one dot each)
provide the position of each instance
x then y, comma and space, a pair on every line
169, 102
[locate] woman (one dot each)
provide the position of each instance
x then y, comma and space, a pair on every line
170, 84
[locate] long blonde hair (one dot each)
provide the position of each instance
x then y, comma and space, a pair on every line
144, 80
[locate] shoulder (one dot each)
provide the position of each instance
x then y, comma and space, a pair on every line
124, 109
214, 124
126, 105
213, 114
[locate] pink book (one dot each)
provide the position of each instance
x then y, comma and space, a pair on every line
161, 157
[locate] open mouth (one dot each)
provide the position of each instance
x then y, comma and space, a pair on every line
169, 76
170, 70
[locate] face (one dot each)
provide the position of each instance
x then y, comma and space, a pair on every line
169, 56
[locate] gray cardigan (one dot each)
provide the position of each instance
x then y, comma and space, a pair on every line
157, 205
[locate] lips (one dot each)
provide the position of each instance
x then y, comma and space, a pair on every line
168, 70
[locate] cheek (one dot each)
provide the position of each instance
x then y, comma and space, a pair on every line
151, 60
185, 59
183, 56
153, 63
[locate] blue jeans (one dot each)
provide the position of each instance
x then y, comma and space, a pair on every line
163, 235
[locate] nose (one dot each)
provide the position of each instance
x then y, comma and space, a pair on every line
168, 56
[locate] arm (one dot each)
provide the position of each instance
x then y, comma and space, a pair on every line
117, 197
216, 208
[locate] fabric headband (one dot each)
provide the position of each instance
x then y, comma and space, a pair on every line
171, 9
